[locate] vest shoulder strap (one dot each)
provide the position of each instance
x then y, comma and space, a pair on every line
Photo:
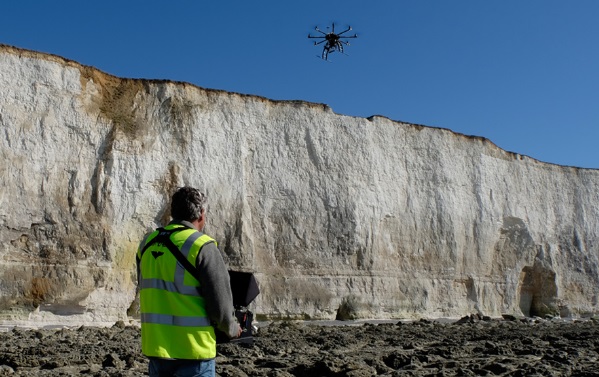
164, 237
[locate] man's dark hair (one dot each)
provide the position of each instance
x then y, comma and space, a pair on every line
187, 204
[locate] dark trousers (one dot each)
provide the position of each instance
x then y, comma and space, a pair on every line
182, 368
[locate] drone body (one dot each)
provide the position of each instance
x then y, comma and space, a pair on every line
333, 41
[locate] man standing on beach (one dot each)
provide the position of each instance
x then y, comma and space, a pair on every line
184, 292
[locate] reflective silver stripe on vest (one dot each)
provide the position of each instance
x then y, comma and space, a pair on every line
166, 319
185, 249
145, 240
169, 286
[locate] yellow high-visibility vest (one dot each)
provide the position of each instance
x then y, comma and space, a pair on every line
174, 322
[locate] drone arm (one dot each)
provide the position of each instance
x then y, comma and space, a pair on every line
345, 31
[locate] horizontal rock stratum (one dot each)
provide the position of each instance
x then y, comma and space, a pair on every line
366, 217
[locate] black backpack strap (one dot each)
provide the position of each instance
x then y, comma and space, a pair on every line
164, 238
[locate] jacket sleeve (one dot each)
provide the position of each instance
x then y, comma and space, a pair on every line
216, 290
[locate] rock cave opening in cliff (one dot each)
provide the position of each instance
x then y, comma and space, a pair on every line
538, 292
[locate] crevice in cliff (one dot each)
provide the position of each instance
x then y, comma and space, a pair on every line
100, 177
233, 237
313, 155
168, 185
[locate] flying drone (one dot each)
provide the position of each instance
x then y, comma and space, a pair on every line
333, 41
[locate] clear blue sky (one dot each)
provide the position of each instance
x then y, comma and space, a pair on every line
522, 73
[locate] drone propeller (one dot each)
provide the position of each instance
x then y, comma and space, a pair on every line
320, 31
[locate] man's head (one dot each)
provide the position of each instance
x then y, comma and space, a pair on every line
188, 204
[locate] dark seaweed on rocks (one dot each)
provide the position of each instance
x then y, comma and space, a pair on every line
469, 347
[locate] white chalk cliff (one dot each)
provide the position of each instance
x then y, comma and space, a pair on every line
381, 218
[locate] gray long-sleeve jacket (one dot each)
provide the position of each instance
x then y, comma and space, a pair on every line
216, 289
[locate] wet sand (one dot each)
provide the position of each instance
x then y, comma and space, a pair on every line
469, 347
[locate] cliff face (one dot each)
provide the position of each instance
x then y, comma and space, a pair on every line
381, 218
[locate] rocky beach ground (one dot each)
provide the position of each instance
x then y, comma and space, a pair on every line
468, 347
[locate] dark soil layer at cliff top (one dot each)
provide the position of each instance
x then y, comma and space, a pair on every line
424, 348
